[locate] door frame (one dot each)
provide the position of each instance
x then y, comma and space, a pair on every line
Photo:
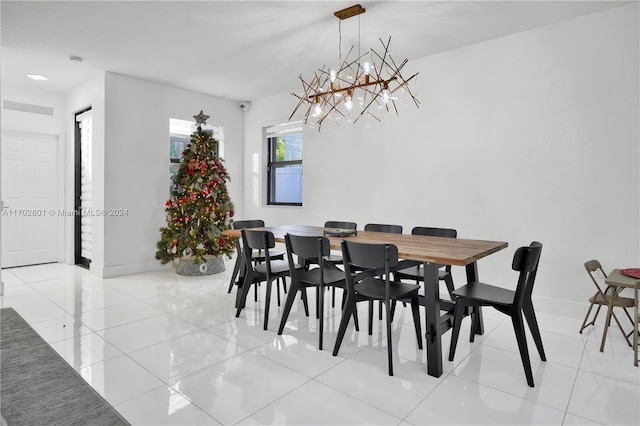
78, 259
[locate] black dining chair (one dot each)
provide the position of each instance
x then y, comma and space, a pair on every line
417, 272
391, 229
375, 260
336, 259
513, 303
267, 271
256, 257
312, 249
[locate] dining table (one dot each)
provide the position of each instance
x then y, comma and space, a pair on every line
432, 252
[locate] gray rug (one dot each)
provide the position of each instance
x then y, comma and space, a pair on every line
38, 387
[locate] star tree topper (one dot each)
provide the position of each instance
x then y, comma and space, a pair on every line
201, 118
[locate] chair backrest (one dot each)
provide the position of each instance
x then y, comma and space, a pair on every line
526, 261
257, 240
241, 224
369, 256
434, 232
372, 259
339, 224
592, 266
380, 227
309, 248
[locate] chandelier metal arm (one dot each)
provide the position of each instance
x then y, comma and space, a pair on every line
354, 86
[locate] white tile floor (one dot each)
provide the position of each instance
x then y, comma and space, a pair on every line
165, 349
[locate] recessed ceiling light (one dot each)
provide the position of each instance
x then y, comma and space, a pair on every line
37, 77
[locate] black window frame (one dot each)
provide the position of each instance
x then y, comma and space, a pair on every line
272, 165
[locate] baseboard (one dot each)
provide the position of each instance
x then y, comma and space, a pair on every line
129, 269
565, 308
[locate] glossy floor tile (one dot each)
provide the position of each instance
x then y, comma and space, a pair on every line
163, 406
458, 401
169, 350
181, 356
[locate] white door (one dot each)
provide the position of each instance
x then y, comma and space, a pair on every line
30, 194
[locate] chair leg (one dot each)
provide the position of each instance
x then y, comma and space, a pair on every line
318, 296
415, 310
472, 314
349, 309
615, 318
321, 313
518, 327
586, 317
267, 302
458, 313
305, 302
530, 315
333, 297
393, 309
448, 280
241, 295
278, 289
356, 323
389, 339
380, 304
288, 303
234, 275
606, 326
370, 317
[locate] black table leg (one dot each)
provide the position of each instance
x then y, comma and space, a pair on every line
432, 314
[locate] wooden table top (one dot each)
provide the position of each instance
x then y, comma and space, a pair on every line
445, 251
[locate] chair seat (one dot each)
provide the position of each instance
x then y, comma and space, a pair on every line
331, 277
277, 267
618, 301
417, 273
374, 288
481, 292
334, 258
273, 254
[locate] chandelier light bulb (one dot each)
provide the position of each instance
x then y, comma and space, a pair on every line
367, 68
332, 73
386, 96
317, 110
348, 102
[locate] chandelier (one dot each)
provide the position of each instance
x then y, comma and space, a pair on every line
356, 88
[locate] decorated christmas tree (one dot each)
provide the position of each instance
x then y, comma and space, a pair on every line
199, 209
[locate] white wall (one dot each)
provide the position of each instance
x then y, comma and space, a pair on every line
137, 116
534, 136
30, 122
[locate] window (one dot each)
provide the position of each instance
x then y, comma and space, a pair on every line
180, 136
284, 167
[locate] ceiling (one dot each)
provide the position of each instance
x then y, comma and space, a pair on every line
242, 50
